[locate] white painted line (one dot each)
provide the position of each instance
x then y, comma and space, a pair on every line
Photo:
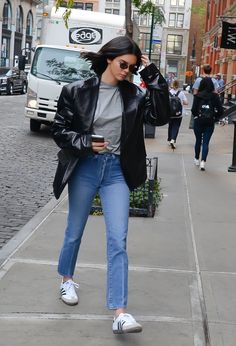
66, 316
97, 266
201, 338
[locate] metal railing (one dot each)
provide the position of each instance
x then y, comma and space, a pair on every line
229, 88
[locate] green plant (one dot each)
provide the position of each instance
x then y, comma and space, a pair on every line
145, 197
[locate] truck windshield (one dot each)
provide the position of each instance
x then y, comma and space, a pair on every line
60, 65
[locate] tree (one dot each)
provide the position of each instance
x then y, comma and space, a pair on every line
144, 7
148, 7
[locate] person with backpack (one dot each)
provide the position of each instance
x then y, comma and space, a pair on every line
206, 73
207, 110
177, 100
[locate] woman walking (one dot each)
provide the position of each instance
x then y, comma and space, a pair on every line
99, 127
176, 119
207, 110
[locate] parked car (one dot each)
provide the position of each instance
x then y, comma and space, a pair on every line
27, 69
12, 80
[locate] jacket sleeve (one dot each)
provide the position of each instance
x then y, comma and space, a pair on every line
65, 138
157, 104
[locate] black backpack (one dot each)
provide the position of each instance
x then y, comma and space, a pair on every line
175, 105
206, 112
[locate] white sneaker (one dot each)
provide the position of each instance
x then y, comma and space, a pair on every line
196, 162
202, 166
172, 144
125, 323
68, 294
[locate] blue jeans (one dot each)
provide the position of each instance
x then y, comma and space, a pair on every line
203, 135
102, 173
173, 128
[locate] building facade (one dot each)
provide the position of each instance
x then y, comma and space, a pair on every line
175, 39
20, 29
17, 29
196, 32
222, 60
169, 46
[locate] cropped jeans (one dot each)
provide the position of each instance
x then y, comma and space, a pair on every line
99, 173
173, 128
203, 135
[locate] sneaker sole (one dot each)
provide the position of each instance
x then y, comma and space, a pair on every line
202, 169
137, 329
172, 146
69, 302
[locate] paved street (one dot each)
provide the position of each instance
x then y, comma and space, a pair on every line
27, 167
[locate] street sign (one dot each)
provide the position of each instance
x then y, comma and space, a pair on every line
156, 41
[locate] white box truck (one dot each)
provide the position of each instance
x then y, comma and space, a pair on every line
57, 59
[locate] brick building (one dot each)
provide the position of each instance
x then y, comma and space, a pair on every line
196, 32
222, 60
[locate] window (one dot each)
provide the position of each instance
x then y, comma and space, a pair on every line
29, 24
5, 53
172, 17
179, 3
145, 42
19, 19
112, 11
6, 22
160, 2
176, 20
136, 16
89, 7
174, 44
60, 65
180, 20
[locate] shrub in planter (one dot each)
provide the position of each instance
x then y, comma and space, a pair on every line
144, 199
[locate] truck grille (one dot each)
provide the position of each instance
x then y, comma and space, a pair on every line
47, 104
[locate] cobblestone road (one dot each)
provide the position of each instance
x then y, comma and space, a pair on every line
28, 163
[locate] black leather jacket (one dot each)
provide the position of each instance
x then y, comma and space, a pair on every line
73, 124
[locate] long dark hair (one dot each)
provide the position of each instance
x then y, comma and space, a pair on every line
207, 85
118, 46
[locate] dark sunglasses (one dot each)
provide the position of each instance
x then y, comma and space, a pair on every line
124, 65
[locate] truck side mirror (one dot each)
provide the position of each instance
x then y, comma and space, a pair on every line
21, 62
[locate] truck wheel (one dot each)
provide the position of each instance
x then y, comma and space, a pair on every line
10, 89
34, 125
24, 88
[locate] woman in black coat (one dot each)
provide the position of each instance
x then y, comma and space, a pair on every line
207, 110
99, 127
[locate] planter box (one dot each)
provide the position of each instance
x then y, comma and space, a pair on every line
144, 199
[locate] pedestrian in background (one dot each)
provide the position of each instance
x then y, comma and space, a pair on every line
207, 110
176, 119
221, 85
112, 163
206, 73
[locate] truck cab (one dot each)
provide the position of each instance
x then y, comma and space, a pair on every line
58, 59
52, 67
